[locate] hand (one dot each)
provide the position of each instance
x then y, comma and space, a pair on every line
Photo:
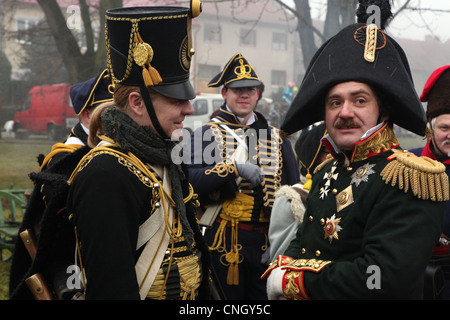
275, 284
251, 172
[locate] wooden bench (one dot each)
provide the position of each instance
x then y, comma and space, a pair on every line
12, 206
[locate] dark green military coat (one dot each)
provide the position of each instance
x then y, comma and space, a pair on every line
377, 237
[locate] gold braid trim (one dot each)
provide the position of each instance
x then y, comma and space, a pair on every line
234, 211
371, 43
425, 177
223, 169
57, 148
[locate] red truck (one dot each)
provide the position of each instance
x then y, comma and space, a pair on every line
47, 109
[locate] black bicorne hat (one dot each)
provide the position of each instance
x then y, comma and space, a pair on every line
92, 92
152, 46
365, 54
237, 73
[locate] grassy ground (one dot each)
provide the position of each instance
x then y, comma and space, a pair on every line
17, 159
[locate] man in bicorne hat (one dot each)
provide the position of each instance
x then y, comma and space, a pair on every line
132, 207
238, 162
85, 97
374, 212
437, 95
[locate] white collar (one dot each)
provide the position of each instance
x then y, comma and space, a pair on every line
250, 120
85, 128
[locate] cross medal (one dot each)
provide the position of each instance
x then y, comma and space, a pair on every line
328, 176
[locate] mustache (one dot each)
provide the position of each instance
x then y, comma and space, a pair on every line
445, 142
347, 123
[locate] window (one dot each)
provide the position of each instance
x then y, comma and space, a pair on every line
212, 33
279, 41
205, 74
217, 104
23, 27
248, 37
200, 107
27, 103
278, 78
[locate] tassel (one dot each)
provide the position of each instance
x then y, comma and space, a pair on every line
233, 270
307, 185
143, 55
147, 77
154, 74
233, 274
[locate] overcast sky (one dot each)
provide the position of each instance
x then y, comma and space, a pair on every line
409, 24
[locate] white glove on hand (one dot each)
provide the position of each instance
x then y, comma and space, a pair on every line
251, 172
275, 284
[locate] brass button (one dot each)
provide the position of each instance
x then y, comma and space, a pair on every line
322, 221
317, 253
334, 191
349, 168
303, 250
311, 218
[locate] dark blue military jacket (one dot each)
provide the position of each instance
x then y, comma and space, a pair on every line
214, 181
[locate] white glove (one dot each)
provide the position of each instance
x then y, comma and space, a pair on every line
275, 284
251, 172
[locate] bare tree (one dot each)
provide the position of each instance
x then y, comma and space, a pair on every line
79, 63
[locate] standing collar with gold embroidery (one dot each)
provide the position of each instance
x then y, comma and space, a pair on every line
377, 140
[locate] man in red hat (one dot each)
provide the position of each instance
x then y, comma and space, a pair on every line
437, 95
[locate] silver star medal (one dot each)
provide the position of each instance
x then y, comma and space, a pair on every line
328, 176
362, 174
332, 228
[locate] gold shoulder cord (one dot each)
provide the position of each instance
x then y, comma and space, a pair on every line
307, 185
57, 148
425, 177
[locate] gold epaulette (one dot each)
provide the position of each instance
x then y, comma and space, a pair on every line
424, 176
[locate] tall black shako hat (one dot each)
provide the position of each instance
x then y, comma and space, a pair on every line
152, 47
361, 53
237, 73
92, 92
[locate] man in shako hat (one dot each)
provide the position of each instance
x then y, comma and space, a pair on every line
374, 212
238, 162
133, 208
437, 95
43, 219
